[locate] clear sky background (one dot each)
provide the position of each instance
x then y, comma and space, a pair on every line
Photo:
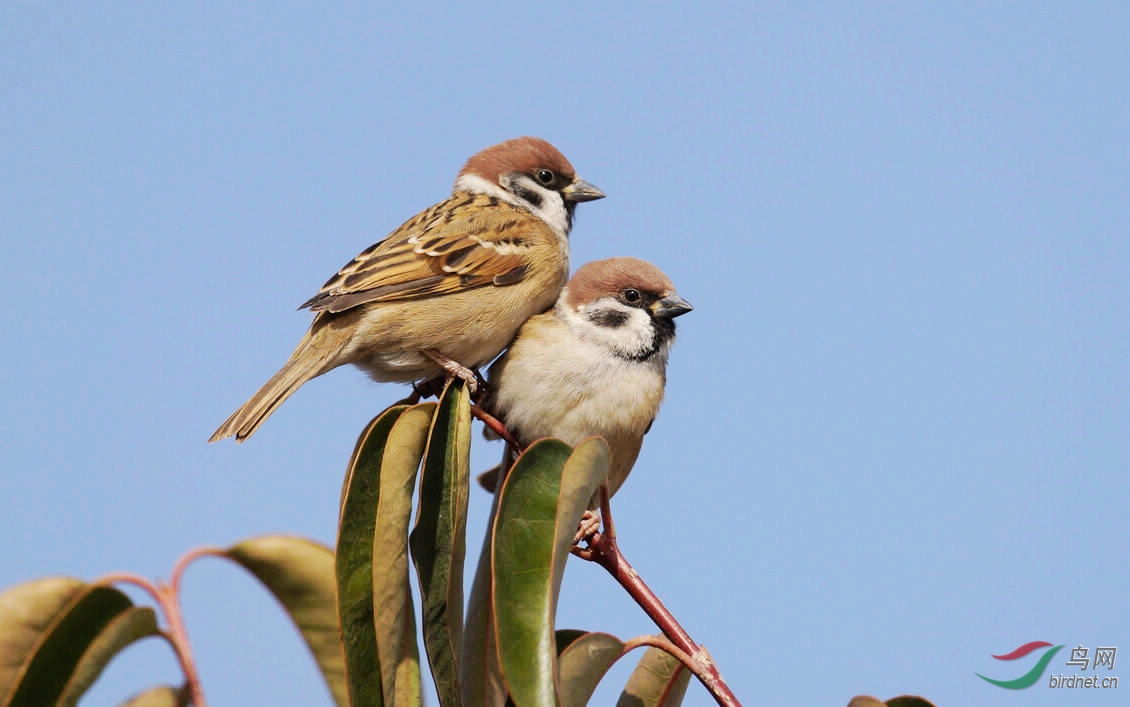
897, 432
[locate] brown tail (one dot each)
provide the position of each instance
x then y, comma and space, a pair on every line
315, 355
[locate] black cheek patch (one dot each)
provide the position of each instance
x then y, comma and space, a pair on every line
609, 318
528, 195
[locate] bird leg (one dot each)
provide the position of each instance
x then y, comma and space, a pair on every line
455, 369
588, 526
588, 529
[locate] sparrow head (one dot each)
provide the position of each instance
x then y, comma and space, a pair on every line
531, 173
626, 304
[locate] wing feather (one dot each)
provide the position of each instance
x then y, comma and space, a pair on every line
465, 242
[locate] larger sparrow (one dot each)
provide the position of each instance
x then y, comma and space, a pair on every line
448, 290
596, 364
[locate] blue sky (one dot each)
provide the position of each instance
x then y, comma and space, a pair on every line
895, 439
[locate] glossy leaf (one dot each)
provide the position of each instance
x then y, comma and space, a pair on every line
46, 627
394, 616
126, 628
582, 662
438, 541
659, 680
541, 502
909, 701
300, 575
26, 611
162, 696
353, 563
480, 676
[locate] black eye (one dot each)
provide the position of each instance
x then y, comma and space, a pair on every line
631, 296
545, 176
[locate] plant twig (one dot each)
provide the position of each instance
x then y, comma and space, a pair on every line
604, 550
662, 643
495, 426
167, 597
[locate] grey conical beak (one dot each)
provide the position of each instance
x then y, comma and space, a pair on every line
580, 190
671, 306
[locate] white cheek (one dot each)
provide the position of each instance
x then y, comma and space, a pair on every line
477, 185
552, 209
629, 339
553, 212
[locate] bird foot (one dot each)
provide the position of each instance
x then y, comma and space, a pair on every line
587, 527
455, 369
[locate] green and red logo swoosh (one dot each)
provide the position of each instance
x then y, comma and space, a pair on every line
1029, 678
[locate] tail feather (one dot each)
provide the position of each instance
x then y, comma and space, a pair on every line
313, 357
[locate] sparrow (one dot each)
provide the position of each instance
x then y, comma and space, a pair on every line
595, 364
445, 292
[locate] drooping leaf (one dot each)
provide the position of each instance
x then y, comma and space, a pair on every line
26, 611
46, 626
659, 680
162, 696
300, 575
480, 675
582, 662
541, 501
438, 540
394, 616
353, 562
126, 628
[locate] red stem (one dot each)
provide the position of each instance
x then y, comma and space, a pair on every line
495, 425
167, 597
603, 549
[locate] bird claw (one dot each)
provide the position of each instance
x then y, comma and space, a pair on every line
588, 526
480, 384
454, 369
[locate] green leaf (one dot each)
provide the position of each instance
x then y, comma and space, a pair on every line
659, 680
353, 562
438, 541
300, 575
479, 673
541, 502
46, 627
582, 662
26, 611
162, 696
126, 628
394, 616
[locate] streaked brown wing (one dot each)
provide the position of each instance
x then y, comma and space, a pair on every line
465, 242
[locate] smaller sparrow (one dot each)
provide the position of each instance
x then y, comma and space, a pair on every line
596, 364
448, 290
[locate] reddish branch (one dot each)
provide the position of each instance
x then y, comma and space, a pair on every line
603, 550
167, 597
495, 426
